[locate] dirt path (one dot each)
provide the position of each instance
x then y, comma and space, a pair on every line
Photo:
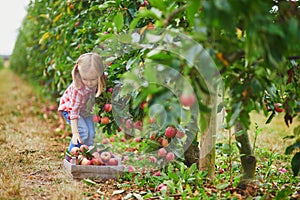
30, 151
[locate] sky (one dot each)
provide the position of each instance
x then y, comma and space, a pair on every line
12, 12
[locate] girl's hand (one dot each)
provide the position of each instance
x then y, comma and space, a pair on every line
76, 138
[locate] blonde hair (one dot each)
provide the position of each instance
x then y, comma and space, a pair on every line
86, 62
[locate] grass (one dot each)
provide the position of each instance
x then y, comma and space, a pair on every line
32, 153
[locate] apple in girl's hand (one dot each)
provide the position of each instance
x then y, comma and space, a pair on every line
86, 161
75, 151
112, 161
105, 156
83, 148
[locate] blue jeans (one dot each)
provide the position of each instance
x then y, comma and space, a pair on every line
86, 130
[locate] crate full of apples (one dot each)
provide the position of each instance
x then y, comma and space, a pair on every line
92, 162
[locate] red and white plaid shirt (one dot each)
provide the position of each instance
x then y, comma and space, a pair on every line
77, 101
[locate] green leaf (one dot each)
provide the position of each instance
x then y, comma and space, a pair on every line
158, 4
296, 163
192, 8
89, 182
119, 21
222, 186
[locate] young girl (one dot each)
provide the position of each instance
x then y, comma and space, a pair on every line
76, 104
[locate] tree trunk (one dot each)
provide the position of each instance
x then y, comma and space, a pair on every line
248, 159
208, 139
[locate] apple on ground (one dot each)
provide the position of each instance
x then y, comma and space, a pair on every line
158, 173
161, 187
137, 139
112, 139
123, 139
131, 168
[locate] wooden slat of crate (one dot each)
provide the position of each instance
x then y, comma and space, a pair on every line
92, 171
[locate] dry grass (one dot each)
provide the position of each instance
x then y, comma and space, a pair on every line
31, 154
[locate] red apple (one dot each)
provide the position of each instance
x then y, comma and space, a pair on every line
161, 187
152, 159
138, 125
179, 134
96, 118
162, 152
131, 168
97, 161
112, 139
123, 139
129, 123
187, 99
170, 156
143, 105
107, 107
75, 151
104, 120
105, 141
77, 24
151, 120
110, 90
105, 156
157, 173
170, 132
112, 161
164, 142
86, 161
96, 154
138, 139
278, 107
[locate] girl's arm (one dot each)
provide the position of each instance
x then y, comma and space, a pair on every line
75, 134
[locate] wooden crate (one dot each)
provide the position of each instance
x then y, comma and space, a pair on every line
93, 171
